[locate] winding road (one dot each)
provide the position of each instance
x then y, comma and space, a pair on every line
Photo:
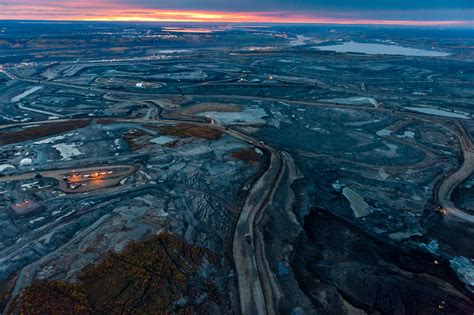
253, 274
251, 293
252, 297
447, 186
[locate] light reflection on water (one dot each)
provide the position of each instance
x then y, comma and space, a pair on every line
380, 49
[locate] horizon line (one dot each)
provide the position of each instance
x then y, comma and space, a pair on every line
335, 22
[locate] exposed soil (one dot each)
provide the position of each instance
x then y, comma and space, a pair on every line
45, 130
247, 155
187, 131
340, 267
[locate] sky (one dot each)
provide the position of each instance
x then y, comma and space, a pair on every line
385, 12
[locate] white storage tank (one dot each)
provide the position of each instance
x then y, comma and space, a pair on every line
26, 162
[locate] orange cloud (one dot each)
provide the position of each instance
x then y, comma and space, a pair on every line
104, 10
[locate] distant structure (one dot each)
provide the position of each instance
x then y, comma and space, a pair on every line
25, 207
26, 162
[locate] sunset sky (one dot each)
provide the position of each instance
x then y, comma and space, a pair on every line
401, 12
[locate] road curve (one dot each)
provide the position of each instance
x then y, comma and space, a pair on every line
252, 297
447, 186
251, 292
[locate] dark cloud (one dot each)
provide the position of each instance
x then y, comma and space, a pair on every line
272, 10
303, 5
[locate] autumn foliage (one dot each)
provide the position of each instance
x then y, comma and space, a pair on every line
45, 130
247, 155
188, 130
134, 139
158, 276
53, 297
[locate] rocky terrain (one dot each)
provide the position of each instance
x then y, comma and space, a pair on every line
253, 175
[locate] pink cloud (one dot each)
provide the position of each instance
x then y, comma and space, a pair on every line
106, 10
